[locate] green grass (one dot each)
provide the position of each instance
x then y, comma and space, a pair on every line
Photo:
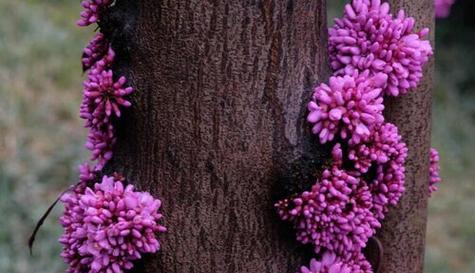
41, 136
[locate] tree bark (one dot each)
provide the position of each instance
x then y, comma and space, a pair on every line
217, 129
404, 228
217, 126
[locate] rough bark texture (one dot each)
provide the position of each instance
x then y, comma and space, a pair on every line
218, 125
404, 229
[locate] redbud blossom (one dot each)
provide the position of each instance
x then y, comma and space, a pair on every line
334, 215
92, 12
331, 263
369, 38
108, 226
434, 169
97, 49
350, 106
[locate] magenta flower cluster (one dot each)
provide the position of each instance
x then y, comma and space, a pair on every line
386, 152
373, 55
434, 169
349, 107
108, 227
104, 94
95, 51
369, 38
334, 215
92, 11
103, 98
331, 263
442, 8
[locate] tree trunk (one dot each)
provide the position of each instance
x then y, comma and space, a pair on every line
218, 132
404, 228
218, 124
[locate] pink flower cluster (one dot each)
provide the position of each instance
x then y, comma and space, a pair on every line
369, 38
95, 51
102, 99
104, 95
373, 54
334, 215
386, 151
108, 226
331, 263
442, 8
434, 169
350, 106
92, 11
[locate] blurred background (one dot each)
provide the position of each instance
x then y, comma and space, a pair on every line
41, 135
